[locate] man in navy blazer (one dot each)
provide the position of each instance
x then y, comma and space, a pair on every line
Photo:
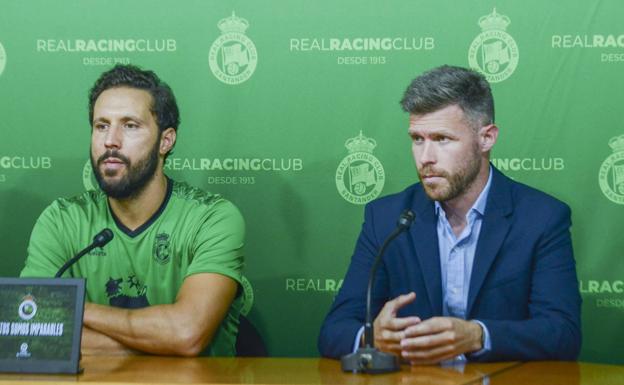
486, 270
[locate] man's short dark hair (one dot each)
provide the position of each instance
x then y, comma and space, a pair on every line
164, 107
448, 85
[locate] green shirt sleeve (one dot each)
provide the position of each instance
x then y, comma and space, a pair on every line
218, 243
47, 251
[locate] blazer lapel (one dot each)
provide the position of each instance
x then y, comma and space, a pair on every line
494, 229
425, 245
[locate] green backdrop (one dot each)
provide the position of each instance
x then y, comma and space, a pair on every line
270, 92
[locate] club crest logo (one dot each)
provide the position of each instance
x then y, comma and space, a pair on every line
611, 174
494, 52
161, 249
233, 55
88, 179
23, 352
2, 58
248, 296
28, 308
360, 177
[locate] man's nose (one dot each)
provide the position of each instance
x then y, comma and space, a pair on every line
113, 137
427, 155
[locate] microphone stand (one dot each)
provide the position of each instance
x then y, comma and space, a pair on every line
100, 239
369, 359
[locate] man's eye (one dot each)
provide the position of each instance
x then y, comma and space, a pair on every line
100, 126
443, 139
417, 139
131, 125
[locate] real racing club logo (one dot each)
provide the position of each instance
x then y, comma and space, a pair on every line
611, 174
233, 56
161, 249
27, 308
360, 176
2, 58
88, 178
494, 52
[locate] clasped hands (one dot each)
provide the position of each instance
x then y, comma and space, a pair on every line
424, 342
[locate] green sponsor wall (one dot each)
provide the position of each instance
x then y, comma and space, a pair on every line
267, 107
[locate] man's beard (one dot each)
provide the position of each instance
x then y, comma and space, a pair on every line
137, 176
458, 182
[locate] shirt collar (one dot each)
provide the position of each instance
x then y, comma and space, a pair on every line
479, 205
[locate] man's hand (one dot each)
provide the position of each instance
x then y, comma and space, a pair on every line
389, 330
440, 338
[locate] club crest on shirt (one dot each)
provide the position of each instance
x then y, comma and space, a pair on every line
161, 250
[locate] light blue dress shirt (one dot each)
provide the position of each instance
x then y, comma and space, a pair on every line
456, 259
457, 255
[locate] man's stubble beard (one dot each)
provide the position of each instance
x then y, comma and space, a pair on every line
458, 182
137, 176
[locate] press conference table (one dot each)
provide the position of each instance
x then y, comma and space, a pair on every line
168, 370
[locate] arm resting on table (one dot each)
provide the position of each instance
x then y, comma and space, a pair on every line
183, 328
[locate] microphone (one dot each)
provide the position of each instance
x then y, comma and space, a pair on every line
100, 239
369, 359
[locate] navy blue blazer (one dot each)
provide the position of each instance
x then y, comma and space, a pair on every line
523, 285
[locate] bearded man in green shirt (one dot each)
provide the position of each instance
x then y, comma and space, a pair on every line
168, 283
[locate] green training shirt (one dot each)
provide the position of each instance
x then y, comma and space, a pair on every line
192, 232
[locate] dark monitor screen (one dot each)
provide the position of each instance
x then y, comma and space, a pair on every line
41, 324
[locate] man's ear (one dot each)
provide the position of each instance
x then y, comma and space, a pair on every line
487, 137
167, 140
